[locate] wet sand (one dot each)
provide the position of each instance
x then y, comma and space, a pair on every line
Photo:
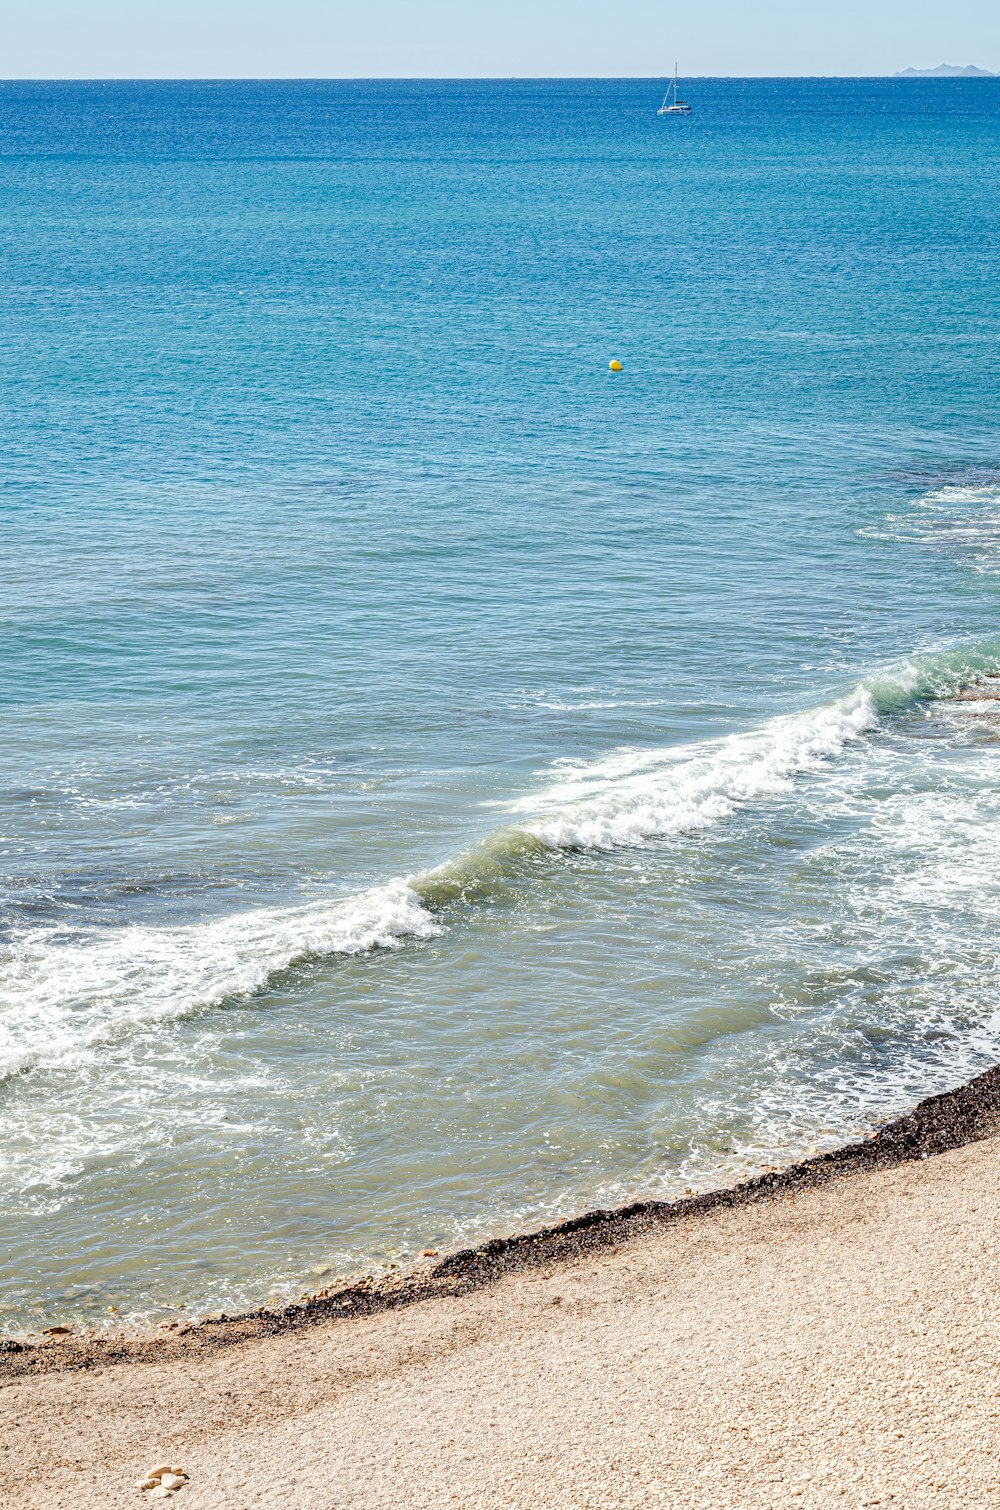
828, 1336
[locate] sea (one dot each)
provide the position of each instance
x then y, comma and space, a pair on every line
447, 785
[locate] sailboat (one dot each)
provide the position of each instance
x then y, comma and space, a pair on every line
679, 107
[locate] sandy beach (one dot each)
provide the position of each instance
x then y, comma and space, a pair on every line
826, 1337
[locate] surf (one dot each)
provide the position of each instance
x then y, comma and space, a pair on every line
69, 994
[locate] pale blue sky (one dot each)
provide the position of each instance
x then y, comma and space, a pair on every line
472, 38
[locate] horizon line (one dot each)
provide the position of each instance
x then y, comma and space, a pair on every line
461, 78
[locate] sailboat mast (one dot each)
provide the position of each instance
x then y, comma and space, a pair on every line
679, 106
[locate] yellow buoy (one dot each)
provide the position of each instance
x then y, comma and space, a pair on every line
615, 366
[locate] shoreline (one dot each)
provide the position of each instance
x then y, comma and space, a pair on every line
936, 1125
827, 1343
945, 1120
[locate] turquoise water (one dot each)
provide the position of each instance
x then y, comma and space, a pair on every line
445, 785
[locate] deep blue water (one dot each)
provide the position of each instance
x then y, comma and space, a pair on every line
333, 556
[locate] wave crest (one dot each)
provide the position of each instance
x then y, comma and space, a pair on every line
68, 993
65, 995
628, 798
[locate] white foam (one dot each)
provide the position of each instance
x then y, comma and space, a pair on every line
962, 520
65, 994
951, 494
555, 704
634, 795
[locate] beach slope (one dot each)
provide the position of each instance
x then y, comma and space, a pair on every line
834, 1343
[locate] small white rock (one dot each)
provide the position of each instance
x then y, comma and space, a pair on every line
171, 1481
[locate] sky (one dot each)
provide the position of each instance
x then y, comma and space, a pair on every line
489, 38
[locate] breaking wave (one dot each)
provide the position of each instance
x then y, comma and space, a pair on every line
66, 995
68, 992
632, 796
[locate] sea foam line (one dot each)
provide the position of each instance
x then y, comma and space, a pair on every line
65, 994
632, 796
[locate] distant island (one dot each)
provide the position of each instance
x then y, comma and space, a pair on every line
946, 71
